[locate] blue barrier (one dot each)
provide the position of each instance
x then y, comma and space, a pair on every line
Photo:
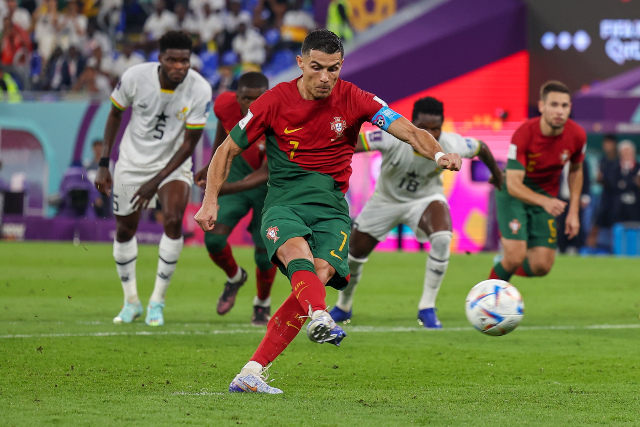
626, 239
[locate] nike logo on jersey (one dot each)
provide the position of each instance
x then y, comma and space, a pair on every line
288, 131
332, 253
530, 155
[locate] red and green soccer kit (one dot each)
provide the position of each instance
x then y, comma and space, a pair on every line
310, 145
542, 158
234, 207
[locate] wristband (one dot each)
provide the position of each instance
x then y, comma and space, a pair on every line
438, 155
104, 162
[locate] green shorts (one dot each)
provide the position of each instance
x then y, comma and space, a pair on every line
234, 207
521, 221
326, 229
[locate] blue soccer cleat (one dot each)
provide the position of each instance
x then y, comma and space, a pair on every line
154, 314
427, 318
339, 315
323, 329
129, 312
252, 382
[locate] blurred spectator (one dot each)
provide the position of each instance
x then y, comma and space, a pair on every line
93, 81
187, 21
159, 22
64, 69
249, 44
227, 77
215, 6
196, 63
9, 90
339, 19
269, 14
96, 38
109, 16
604, 207
15, 44
296, 24
71, 26
231, 18
45, 31
77, 194
565, 245
134, 16
19, 15
626, 207
212, 26
104, 63
127, 58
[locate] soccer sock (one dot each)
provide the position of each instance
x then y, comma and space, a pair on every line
498, 272
281, 330
345, 296
437, 263
306, 285
169, 253
125, 255
264, 282
524, 269
224, 259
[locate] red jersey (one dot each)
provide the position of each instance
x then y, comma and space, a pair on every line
543, 157
228, 111
315, 135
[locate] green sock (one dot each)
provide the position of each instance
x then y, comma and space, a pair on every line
501, 272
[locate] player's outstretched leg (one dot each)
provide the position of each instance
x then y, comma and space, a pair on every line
125, 255
168, 255
252, 379
343, 309
437, 263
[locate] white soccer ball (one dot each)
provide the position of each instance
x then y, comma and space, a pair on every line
494, 307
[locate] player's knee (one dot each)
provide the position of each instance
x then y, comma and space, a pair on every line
440, 245
540, 269
173, 222
124, 233
215, 242
262, 259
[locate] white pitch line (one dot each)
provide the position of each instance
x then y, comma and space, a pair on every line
254, 330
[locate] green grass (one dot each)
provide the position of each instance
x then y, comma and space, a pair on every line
573, 360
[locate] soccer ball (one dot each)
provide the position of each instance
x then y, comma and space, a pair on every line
494, 307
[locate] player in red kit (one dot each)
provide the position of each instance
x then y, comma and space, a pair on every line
312, 125
244, 191
528, 204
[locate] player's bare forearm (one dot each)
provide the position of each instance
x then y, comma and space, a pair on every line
487, 158
421, 140
255, 179
191, 138
575, 180
219, 168
517, 189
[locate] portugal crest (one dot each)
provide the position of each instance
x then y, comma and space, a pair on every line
338, 125
272, 234
514, 225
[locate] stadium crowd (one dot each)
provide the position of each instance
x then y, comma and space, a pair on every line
85, 45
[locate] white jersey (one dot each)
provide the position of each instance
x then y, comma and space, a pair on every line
405, 175
159, 117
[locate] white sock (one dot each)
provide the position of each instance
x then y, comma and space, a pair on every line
262, 302
236, 277
345, 296
125, 255
437, 263
252, 367
169, 252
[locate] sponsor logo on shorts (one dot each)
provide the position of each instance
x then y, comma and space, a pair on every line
515, 225
272, 234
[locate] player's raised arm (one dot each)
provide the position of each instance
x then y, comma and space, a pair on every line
218, 172
487, 158
424, 143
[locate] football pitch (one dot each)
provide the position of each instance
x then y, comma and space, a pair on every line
573, 360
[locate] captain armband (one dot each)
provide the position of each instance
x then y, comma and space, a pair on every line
384, 117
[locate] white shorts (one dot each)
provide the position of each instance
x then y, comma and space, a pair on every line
380, 216
127, 179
